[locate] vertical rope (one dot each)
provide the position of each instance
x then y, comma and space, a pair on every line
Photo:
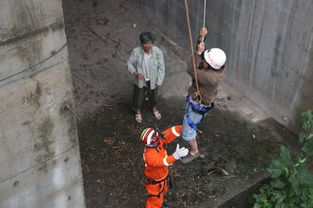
204, 17
204, 13
198, 95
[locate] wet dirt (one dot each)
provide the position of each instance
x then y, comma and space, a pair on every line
234, 153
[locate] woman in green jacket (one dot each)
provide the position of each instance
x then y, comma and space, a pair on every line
146, 63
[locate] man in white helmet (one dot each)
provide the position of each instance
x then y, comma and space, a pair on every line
210, 68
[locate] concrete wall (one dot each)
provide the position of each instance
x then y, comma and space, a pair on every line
269, 46
39, 152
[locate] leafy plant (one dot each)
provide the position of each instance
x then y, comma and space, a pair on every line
292, 182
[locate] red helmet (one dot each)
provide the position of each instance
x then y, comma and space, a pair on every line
150, 137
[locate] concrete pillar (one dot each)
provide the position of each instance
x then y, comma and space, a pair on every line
39, 151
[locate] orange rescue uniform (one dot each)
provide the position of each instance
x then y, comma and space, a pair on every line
156, 167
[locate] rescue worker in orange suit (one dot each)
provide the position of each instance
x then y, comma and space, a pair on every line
157, 162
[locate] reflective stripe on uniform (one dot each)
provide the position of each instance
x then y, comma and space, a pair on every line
144, 159
175, 132
165, 162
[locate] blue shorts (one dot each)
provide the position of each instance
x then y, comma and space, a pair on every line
189, 133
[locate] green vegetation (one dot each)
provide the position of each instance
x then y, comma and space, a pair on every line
291, 185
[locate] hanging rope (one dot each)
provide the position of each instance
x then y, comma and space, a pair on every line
204, 13
198, 96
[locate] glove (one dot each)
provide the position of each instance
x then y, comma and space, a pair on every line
180, 152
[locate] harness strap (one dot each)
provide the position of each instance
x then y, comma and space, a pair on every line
158, 195
151, 181
198, 109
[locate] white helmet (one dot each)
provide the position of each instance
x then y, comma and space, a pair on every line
215, 57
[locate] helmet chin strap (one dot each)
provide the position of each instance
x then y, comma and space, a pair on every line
158, 132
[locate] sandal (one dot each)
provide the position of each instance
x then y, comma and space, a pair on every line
157, 115
138, 118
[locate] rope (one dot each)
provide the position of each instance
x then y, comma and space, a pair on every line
204, 13
198, 95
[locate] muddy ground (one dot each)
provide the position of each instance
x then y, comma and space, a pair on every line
238, 142
113, 167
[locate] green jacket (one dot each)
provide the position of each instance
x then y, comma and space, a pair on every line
156, 66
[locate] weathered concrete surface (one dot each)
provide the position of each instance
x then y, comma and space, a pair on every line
269, 46
30, 31
39, 152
